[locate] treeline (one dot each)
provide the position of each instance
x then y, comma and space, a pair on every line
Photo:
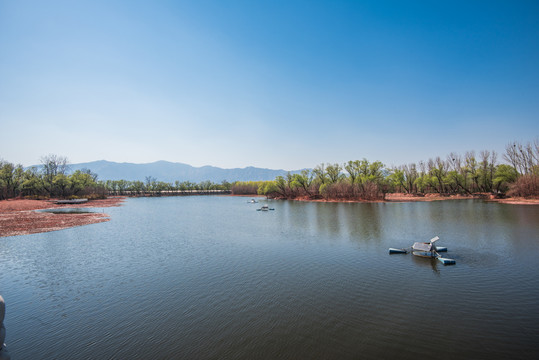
468, 175
362, 180
247, 187
52, 180
354, 180
152, 186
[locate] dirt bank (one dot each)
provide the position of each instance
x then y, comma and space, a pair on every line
433, 197
18, 217
517, 201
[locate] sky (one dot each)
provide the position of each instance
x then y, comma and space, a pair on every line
272, 84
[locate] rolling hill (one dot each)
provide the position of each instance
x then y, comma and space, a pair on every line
172, 171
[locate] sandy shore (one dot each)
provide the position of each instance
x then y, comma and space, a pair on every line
435, 197
18, 217
517, 201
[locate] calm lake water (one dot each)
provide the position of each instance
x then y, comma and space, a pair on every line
210, 277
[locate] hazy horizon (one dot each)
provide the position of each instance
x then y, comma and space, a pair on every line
277, 85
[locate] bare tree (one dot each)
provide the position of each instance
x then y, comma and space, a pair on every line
524, 158
511, 155
410, 174
52, 165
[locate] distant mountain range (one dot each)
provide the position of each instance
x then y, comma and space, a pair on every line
171, 171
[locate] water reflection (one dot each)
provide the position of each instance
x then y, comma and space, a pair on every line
349, 220
474, 231
328, 220
426, 262
364, 220
213, 278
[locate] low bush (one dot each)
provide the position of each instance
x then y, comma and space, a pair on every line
526, 186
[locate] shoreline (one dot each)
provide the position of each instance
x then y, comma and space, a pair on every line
402, 197
489, 198
19, 216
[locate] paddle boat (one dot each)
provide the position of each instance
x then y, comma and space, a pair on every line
427, 250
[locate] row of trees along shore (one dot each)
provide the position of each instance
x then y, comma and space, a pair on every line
470, 174
52, 180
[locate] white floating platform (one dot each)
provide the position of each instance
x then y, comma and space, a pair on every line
397, 251
447, 261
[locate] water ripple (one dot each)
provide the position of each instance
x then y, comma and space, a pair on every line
211, 278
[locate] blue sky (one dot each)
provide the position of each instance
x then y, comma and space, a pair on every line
276, 84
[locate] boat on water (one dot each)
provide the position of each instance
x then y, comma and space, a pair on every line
426, 250
397, 251
252, 201
265, 208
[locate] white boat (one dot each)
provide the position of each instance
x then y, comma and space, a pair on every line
424, 249
447, 261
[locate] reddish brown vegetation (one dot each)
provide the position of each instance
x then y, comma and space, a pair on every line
403, 197
368, 191
244, 189
526, 186
18, 217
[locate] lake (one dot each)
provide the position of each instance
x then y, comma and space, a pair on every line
209, 277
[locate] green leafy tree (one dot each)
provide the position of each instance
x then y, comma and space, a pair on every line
503, 176
352, 167
61, 184
397, 180
320, 174
303, 181
333, 173
82, 181
7, 182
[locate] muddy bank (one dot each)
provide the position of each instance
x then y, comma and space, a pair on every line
18, 216
517, 201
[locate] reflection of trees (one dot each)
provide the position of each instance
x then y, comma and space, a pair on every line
328, 219
364, 220
458, 222
356, 220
